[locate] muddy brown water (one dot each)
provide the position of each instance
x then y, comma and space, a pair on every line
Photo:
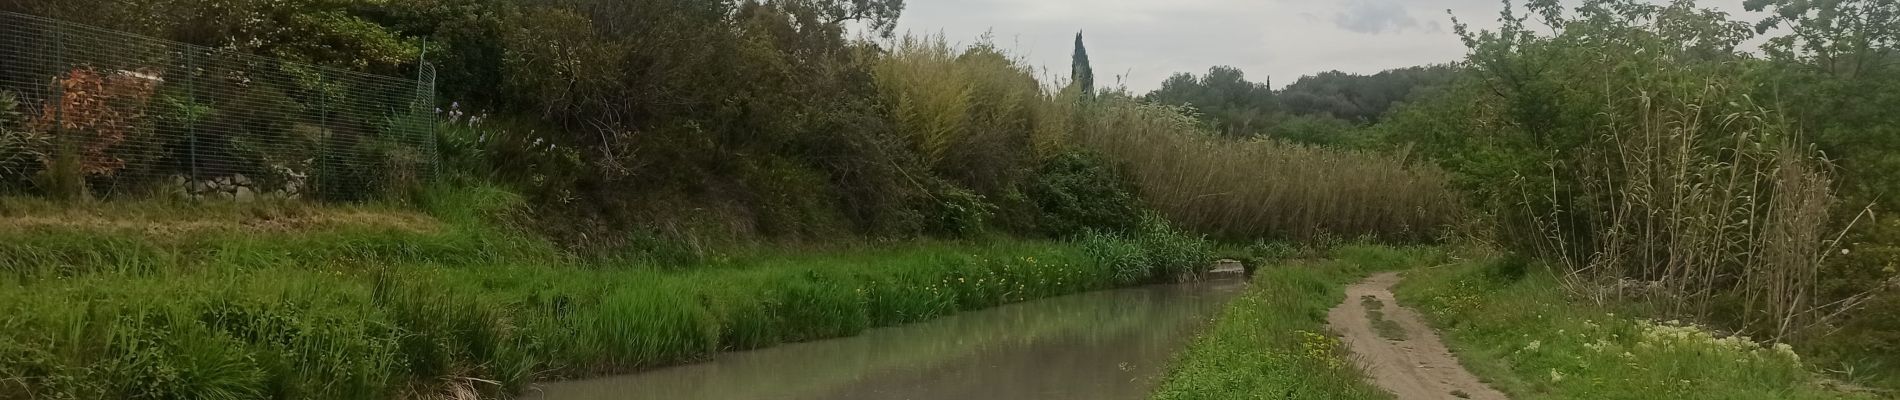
1103, 345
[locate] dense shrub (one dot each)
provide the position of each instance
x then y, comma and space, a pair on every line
1075, 191
772, 123
954, 211
1676, 177
335, 33
510, 152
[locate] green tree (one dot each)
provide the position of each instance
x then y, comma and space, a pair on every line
1360, 98
342, 33
1626, 143
1837, 70
1224, 98
1081, 71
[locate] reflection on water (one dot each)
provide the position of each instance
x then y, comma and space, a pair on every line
1102, 345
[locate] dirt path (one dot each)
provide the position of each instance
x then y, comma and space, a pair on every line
1418, 367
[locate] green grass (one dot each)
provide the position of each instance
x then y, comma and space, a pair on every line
45, 241
1512, 325
1272, 342
370, 310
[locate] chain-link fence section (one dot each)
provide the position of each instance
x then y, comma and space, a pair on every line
91, 113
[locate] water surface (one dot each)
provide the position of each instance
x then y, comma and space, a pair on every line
1103, 345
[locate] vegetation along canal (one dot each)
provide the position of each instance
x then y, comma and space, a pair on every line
1102, 345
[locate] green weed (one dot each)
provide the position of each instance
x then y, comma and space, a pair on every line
1511, 323
1156, 252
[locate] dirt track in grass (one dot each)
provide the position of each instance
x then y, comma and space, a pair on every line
1418, 367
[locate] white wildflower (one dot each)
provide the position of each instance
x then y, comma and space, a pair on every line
1787, 351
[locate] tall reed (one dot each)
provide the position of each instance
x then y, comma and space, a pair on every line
928, 97
1700, 204
1243, 189
977, 114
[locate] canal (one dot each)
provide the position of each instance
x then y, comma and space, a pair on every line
1105, 345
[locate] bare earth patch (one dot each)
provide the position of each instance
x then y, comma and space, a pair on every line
247, 222
1418, 367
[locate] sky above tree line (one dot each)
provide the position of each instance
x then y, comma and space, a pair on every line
1140, 42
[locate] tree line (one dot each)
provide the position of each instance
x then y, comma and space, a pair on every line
684, 120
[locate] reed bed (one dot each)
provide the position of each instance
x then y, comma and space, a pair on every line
1250, 189
1703, 205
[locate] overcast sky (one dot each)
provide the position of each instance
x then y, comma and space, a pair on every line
1147, 40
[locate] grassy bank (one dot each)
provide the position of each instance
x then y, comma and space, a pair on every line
1511, 324
293, 301
1272, 342
43, 240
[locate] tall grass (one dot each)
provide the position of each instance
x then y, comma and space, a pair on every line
980, 118
368, 312
42, 239
1247, 189
977, 115
1690, 199
1640, 157
930, 100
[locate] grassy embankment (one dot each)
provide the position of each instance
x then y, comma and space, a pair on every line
1272, 342
1512, 325
150, 300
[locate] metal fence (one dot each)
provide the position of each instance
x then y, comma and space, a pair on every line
89, 112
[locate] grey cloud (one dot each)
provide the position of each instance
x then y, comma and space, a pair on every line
1376, 17
1147, 40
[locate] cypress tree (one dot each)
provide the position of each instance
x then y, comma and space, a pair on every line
1080, 72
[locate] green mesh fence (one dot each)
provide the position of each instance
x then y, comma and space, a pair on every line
92, 113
